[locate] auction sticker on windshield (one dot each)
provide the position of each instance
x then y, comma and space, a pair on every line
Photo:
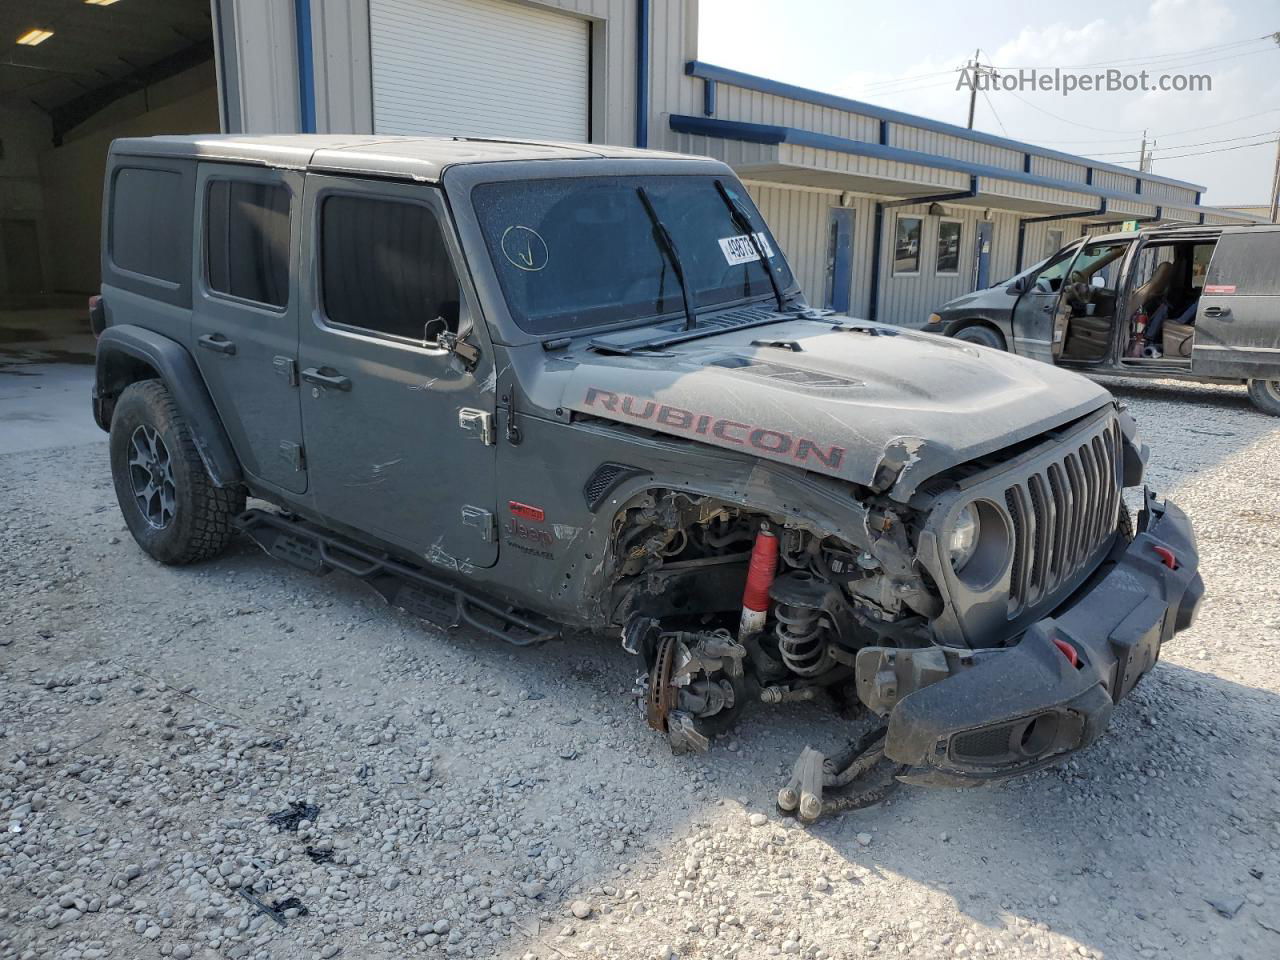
740, 249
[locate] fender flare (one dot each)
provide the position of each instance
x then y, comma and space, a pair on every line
122, 347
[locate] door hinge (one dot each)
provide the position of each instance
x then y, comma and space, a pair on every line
482, 520
287, 368
293, 454
479, 423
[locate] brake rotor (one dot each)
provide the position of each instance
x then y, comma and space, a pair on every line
660, 698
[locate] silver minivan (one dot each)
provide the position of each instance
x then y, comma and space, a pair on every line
1191, 303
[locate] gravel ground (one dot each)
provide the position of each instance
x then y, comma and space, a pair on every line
446, 795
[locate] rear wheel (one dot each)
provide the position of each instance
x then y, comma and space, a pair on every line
1265, 395
981, 335
170, 505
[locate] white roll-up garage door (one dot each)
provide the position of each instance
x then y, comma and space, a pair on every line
488, 68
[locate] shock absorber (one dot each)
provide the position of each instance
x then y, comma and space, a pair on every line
760, 574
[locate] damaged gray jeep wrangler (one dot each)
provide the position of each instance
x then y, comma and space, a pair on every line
538, 388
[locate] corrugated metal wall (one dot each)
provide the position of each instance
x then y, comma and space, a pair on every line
343, 76
909, 300
265, 89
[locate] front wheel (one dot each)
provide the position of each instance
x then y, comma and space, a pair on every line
170, 505
1265, 395
981, 335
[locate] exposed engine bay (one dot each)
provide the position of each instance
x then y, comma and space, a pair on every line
726, 607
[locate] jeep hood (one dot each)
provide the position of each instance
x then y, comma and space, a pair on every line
869, 403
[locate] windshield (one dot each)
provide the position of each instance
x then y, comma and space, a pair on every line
581, 252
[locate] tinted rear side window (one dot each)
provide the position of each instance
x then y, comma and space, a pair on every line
385, 267
1246, 262
146, 227
247, 240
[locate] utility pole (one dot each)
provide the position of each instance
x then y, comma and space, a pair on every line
976, 72
1142, 153
1275, 185
973, 88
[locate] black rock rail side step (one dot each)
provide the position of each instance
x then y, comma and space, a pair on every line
311, 547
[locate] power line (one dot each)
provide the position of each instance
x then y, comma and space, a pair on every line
1179, 146
993, 112
1065, 120
1202, 153
1157, 57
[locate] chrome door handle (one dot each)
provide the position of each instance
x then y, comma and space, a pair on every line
330, 379
217, 343
1217, 311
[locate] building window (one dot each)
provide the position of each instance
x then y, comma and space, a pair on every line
384, 267
145, 224
246, 240
906, 247
1052, 242
949, 232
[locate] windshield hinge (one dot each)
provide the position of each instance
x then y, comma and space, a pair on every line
464, 354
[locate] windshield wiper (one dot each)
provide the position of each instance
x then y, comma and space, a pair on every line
743, 223
665, 241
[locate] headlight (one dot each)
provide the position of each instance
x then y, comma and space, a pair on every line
962, 538
933, 320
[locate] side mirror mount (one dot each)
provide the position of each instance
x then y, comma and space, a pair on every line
432, 330
1020, 286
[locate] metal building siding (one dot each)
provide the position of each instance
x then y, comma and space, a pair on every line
943, 145
1119, 182
479, 67
268, 80
908, 300
343, 80
673, 37
794, 217
1058, 169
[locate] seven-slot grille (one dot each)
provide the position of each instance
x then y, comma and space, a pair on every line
1062, 514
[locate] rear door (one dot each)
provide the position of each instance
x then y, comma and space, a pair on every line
399, 440
244, 313
1238, 320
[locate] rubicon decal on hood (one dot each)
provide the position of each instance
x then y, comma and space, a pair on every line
777, 444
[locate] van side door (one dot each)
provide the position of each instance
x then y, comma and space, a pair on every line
244, 313
1238, 319
400, 442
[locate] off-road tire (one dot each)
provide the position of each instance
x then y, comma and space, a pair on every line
1124, 524
983, 336
199, 527
1265, 395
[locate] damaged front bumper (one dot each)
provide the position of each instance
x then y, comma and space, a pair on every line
1001, 713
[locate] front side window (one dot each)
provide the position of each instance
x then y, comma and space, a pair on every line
246, 237
1049, 278
145, 234
949, 232
1098, 260
384, 267
906, 246
582, 252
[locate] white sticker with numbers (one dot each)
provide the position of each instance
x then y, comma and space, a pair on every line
740, 249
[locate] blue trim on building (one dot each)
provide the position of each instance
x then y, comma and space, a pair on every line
769, 134
884, 133
642, 73
1022, 229
1026, 163
709, 97
306, 67
696, 68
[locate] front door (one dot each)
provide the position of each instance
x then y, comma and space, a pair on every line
244, 314
1033, 315
839, 259
1237, 331
399, 441
982, 256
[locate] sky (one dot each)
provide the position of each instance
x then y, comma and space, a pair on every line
904, 56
